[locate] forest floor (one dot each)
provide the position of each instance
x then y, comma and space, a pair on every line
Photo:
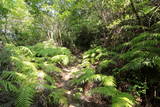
84, 99
66, 76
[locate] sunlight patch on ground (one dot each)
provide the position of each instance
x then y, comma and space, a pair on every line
72, 106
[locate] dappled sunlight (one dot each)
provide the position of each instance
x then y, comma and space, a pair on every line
79, 53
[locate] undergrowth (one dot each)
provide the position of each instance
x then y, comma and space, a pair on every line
33, 72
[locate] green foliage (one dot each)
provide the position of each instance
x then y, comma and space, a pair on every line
142, 52
17, 14
123, 100
7, 86
31, 74
105, 63
64, 59
4, 59
54, 54
96, 54
90, 76
108, 87
126, 33
107, 91
48, 49
49, 68
25, 96
84, 77
119, 99
58, 97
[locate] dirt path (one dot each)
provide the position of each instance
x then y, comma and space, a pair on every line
64, 83
66, 76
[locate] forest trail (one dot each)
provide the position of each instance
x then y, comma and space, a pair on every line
64, 83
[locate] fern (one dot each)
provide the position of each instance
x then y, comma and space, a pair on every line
24, 51
49, 68
49, 50
150, 43
50, 80
95, 55
145, 36
107, 91
141, 41
89, 75
107, 87
30, 74
119, 99
58, 97
122, 100
25, 96
156, 61
8, 86
84, 76
64, 59
104, 64
135, 64
13, 76
143, 49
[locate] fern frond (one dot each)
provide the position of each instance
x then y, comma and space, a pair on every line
87, 72
49, 68
27, 72
24, 51
49, 87
25, 96
58, 97
8, 86
156, 60
49, 79
133, 54
135, 64
105, 63
90, 76
145, 36
146, 43
22, 65
108, 80
119, 99
128, 27
13, 76
97, 54
122, 100
105, 80
106, 91
64, 59
141, 37
42, 49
